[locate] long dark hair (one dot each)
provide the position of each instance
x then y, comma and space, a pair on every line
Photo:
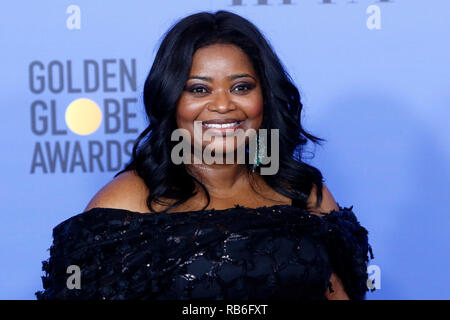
151, 157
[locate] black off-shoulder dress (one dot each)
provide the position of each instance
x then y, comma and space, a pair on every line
276, 252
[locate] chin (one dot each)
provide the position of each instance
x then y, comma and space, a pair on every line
223, 148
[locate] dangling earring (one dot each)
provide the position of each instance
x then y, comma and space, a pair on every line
259, 152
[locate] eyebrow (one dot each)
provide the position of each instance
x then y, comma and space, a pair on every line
231, 77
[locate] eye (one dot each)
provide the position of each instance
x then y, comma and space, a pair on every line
243, 87
198, 90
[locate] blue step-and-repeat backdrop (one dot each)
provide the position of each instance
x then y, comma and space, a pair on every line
375, 80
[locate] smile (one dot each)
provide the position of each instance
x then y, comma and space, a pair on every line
222, 126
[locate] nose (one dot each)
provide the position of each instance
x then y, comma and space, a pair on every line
221, 102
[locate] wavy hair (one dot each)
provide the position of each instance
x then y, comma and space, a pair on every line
151, 157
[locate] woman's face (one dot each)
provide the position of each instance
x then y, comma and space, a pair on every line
224, 93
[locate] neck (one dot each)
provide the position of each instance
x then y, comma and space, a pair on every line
219, 179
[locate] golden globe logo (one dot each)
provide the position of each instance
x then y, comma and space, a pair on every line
83, 116
79, 119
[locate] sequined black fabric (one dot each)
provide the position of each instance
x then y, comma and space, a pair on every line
276, 252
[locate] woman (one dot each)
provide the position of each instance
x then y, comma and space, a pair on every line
162, 229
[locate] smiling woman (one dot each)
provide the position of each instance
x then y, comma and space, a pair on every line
224, 93
168, 230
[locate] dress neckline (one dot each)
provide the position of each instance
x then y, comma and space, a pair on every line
207, 211
237, 206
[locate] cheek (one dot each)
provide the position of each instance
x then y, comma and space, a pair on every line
254, 110
187, 112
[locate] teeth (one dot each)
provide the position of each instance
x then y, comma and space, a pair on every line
220, 126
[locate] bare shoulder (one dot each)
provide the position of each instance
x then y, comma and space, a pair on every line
126, 191
327, 205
